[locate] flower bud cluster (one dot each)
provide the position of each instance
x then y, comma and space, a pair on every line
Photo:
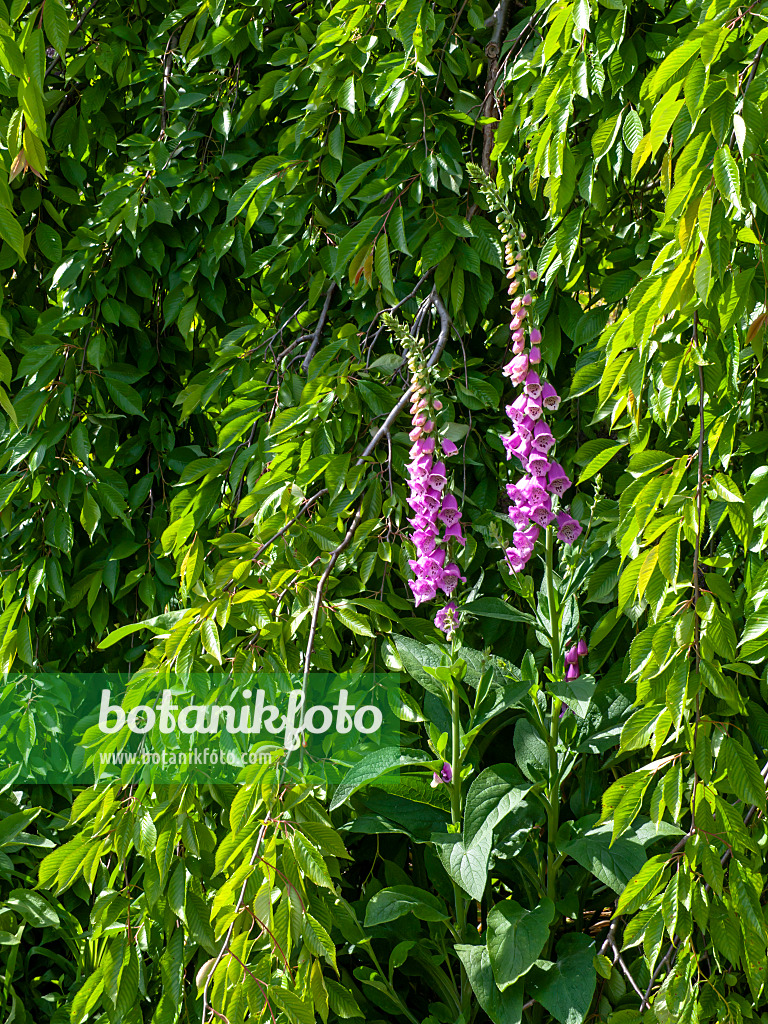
572, 655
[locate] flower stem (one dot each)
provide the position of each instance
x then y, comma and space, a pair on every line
456, 759
553, 817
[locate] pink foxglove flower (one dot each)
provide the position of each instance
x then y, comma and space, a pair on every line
436, 517
445, 774
568, 528
531, 442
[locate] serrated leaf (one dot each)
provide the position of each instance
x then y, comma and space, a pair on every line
727, 177
632, 130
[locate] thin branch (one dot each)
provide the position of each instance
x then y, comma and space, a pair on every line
284, 529
228, 936
659, 968
356, 520
492, 51
624, 969
65, 104
394, 309
57, 59
173, 42
319, 329
442, 341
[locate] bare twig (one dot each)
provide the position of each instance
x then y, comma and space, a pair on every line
173, 42
492, 51
442, 341
225, 943
81, 20
284, 529
356, 519
445, 330
393, 309
657, 971
65, 104
618, 958
319, 329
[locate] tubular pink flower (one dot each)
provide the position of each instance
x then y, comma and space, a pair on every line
542, 514
451, 576
573, 672
538, 464
542, 437
532, 386
517, 411
534, 356
449, 448
516, 561
581, 648
423, 590
449, 513
510, 443
437, 477
568, 528
518, 368
454, 532
550, 398
535, 336
446, 620
533, 408
424, 446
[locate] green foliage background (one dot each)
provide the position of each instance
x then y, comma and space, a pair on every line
204, 208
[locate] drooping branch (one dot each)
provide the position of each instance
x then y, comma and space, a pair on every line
80, 22
173, 42
319, 329
489, 107
225, 943
442, 341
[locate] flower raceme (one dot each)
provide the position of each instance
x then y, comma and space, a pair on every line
436, 517
544, 481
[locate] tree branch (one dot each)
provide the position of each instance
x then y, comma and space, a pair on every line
445, 330
319, 329
492, 51
57, 59
167, 68
227, 937
442, 341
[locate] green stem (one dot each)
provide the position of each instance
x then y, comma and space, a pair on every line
456, 759
553, 816
390, 987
